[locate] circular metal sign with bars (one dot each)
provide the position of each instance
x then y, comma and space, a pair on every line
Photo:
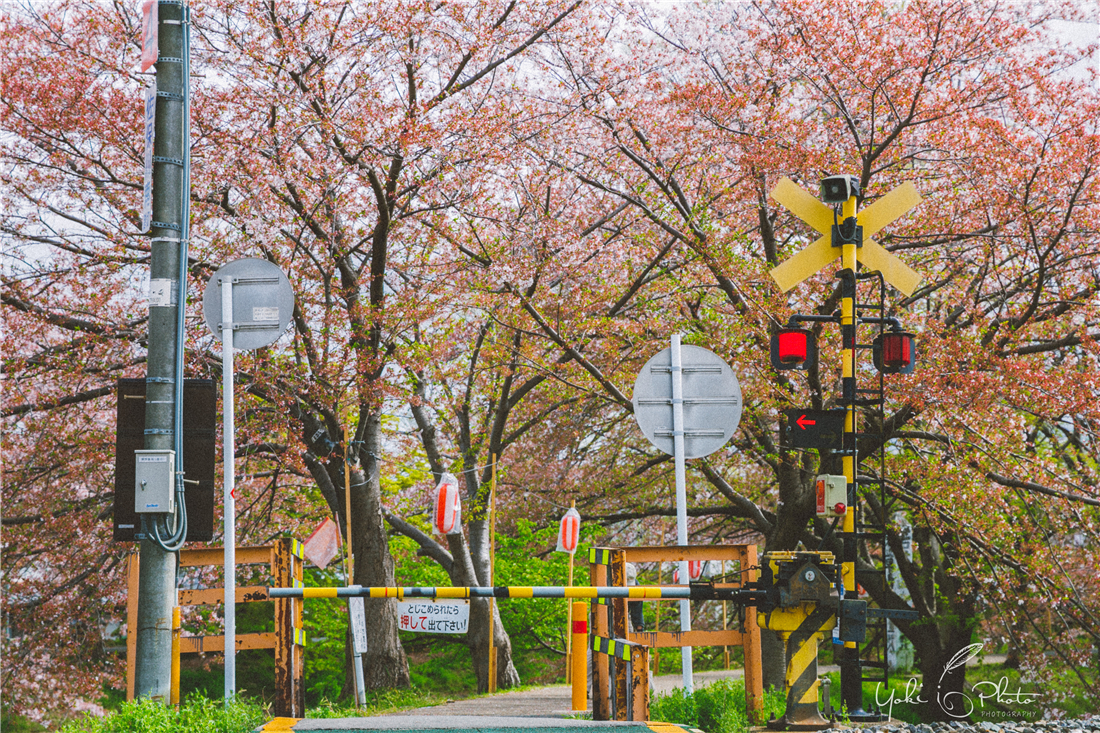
263, 302
711, 399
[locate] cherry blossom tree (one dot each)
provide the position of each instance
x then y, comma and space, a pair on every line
970, 102
325, 138
493, 215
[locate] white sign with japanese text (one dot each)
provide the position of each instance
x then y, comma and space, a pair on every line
434, 616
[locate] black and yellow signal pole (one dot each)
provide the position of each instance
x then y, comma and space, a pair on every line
846, 232
848, 236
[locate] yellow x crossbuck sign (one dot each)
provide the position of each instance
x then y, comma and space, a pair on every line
819, 254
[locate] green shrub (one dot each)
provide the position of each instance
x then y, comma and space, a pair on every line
379, 702
716, 708
197, 715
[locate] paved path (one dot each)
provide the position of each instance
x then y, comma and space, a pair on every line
553, 701
479, 723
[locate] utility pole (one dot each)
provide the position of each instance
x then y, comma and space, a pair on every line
157, 579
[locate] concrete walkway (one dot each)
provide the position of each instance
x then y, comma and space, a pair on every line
553, 701
546, 709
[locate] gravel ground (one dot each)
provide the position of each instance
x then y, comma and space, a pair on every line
1041, 726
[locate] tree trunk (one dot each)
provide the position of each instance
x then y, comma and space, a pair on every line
477, 638
941, 656
942, 642
384, 664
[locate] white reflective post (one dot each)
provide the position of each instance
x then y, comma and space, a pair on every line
228, 469
681, 497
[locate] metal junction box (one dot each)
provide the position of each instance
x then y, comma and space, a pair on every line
832, 495
154, 481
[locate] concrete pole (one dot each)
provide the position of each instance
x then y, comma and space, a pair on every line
157, 577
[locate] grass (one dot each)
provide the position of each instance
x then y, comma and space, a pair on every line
875, 692
197, 715
716, 708
379, 702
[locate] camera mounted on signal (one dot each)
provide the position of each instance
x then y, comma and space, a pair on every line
838, 189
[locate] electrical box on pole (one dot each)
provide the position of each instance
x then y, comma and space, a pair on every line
154, 481
831, 497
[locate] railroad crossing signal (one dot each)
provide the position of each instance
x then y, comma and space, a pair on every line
819, 254
846, 233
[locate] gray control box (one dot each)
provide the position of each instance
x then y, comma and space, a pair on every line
154, 481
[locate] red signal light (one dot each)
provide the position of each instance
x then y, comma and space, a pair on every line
897, 350
840, 507
793, 345
793, 348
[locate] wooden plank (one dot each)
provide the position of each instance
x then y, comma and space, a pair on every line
619, 630
658, 553
289, 693
133, 574
639, 683
601, 700
298, 564
215, 596
695, 637
197, 644
216, 556
750, 642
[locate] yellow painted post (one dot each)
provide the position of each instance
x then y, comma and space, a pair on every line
657, 623
580, 641
133, 574
347, 504
848, 256
851, 683
174, 688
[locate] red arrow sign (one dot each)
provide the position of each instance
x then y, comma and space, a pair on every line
802, 422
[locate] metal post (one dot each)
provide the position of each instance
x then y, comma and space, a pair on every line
681, 497
579, 635
228, 469
157, 567
851, 682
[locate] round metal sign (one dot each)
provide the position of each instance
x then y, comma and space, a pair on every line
263, 302
711, 401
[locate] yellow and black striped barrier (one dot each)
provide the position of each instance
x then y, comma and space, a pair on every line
636, 592
612, 647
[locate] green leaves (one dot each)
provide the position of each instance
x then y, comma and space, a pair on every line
196, 715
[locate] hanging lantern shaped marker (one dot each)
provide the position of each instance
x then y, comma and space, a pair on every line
569, 532
793, 348
448, 506
695, 571
895, 352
